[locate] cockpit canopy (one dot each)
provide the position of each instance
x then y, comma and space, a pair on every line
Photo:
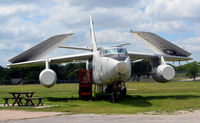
113, 50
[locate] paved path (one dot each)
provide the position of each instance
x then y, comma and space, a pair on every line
189, 80
191, 117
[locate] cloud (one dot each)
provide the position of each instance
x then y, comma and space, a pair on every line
113, 36
3, 46
108, 38
173, 10
25, 23
191, 44
172, 27
27, 46
91, 4
8, 10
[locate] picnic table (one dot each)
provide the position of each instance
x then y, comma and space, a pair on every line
17, 96
18, 99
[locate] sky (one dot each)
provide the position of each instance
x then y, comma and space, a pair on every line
25, 23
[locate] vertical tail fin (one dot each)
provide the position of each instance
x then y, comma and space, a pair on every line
92, 35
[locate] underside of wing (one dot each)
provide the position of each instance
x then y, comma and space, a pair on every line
56, 60
136, 56
160, 45
41, 49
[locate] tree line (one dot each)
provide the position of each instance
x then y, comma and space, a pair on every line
144, 68
30, 75
191, 69
70, 71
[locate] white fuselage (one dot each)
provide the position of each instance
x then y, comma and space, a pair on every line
109, 68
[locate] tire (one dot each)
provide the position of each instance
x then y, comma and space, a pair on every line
123, 92
115, 98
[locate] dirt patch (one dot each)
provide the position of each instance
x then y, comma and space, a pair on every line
17, 115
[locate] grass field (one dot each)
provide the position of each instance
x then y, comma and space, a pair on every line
141, 97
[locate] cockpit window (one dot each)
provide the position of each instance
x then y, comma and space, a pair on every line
114, 51
121, 50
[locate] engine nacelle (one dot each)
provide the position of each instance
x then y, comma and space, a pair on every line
48, 78
163, 73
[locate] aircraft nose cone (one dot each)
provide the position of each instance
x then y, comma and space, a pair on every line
121, 67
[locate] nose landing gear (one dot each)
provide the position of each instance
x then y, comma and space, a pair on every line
119, 90
123, 89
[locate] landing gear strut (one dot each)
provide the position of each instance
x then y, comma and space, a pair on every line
119, 90
123, 90
115, 93
115, 97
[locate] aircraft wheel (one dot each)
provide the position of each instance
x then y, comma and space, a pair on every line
115, 97
123, 92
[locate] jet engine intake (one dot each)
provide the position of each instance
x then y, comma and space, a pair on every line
163, 73
48, 78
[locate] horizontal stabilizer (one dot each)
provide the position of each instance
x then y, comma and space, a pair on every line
160, 45
41, 49
76, 48
136, 61
121, 45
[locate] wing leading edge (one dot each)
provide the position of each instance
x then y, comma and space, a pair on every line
56, 60
136, 56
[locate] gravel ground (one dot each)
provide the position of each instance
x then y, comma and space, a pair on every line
180, 117
6, 115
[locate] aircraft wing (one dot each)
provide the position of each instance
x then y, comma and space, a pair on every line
41, 49
136, 56
56, 60
160, 45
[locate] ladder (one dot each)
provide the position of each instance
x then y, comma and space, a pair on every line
85, 84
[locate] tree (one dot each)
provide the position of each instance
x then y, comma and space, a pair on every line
140, 68
192, 69
180, 68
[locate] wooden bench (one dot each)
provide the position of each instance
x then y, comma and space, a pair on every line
7, 98
29, 101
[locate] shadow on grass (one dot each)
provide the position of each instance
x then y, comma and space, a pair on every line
134, 100
142, 101
175, 97
127, 100
60, 99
